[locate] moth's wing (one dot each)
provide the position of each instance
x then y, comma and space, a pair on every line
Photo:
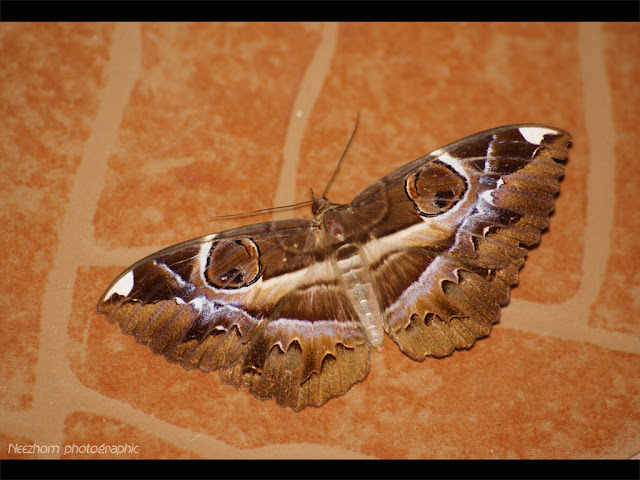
448, 232
258, 303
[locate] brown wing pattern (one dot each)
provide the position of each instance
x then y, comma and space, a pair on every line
199, 304
290, 309
454, 291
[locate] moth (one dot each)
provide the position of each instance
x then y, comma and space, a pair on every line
290, 309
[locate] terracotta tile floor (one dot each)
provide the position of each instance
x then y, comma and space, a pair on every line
117, 140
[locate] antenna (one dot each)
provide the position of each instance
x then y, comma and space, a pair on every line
341, 156
307, 202
255, 212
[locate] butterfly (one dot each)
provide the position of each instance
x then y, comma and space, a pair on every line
290, 309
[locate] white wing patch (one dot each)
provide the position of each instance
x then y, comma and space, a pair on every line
122, 287
534, 135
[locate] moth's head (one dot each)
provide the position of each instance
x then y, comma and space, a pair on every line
321, 204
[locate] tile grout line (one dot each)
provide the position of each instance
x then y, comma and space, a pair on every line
310, 89
531, 316
601, 135
201, 443
51, 392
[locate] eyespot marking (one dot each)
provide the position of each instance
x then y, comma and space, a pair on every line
233, 264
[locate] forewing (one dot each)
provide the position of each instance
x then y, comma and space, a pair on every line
259, 303
449, 232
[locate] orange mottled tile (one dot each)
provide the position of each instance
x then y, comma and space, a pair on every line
206, 124
618, 302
